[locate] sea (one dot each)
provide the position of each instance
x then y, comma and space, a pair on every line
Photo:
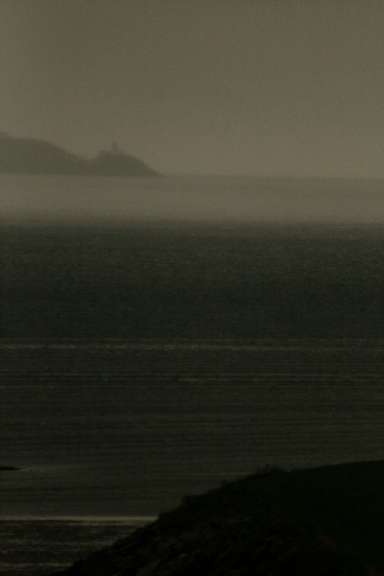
159, 337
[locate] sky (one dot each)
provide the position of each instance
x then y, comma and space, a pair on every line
265, 87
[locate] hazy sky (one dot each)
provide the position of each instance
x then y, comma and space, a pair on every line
256, 86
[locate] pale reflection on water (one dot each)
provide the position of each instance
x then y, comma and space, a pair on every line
35, 546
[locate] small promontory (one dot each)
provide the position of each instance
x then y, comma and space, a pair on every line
32, 156
318, 522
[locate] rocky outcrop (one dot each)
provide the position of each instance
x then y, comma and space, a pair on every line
324, 521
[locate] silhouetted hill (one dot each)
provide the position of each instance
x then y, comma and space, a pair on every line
31, 156
324, 521
22, 155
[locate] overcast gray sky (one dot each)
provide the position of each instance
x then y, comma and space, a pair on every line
256, 86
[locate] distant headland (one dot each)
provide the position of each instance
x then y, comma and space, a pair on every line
33, 156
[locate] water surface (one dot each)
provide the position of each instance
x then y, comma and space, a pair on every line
158, 338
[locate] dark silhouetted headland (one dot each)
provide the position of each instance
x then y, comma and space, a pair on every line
31, 156
323, 521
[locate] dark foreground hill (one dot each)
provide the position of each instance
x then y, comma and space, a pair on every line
31, 156
325, 521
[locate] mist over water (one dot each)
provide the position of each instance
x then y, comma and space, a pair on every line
190, 198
